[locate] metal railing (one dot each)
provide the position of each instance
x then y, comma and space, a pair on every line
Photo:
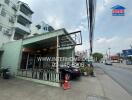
40, 74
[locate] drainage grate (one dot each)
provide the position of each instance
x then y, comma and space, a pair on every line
96, 98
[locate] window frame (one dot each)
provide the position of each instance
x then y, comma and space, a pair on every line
3, 12
7, 2
1, 28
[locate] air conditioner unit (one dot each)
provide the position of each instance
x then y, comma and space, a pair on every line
12, 19
7, 32
14, 7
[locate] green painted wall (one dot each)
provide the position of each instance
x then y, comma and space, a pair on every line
0, 58
11, 56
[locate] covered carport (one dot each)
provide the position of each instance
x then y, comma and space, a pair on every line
53, 45
33, 54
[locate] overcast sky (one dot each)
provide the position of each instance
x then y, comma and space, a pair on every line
110, 31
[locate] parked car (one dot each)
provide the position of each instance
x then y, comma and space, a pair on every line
71, 72
108, 62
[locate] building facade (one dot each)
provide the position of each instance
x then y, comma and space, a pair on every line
21, 56
40, 28
20, 46
15, 20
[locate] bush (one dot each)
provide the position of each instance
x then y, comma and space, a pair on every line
88, 70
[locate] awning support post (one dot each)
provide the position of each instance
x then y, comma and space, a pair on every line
27, 61
57, 55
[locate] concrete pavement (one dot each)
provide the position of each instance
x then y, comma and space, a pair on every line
87, 88
112, 90
121, 75
16, 89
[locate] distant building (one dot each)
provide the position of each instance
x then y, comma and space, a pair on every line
40, 28
15, 20
127, 55
115, 58
127, 52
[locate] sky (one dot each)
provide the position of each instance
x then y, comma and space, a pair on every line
113, 32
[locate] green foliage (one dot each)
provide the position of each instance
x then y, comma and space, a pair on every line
130, 58
97, 56
86, 69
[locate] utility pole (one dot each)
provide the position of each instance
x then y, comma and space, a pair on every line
109, 53
91, 6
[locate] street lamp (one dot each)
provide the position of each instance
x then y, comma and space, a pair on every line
109, 52
131, 46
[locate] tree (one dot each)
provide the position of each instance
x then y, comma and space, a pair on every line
97, 56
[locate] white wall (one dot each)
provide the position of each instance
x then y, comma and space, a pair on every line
4, 21
34, 29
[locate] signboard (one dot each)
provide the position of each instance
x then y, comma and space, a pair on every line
127, 52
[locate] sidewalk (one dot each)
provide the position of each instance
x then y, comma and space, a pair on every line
87, 88
112, 90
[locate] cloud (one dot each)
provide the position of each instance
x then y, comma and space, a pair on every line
27, 1
116, 44
71, 14
83, 47
106, 2
106, 40
54, 21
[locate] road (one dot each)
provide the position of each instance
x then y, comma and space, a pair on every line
122, 76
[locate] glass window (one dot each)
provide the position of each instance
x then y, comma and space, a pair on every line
38, 27
18, 36
7, 2
12, 19
44, 28
0, 28
3, 13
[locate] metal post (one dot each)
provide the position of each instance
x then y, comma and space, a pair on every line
73, 53
27, 61
131, 46
34, 61
57, 55
109, 53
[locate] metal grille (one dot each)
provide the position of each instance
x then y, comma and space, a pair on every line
39, 74
71, 39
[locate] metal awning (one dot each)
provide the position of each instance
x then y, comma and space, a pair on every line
50, 39
48, 43
42, 44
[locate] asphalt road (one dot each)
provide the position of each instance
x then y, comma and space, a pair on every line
122, 76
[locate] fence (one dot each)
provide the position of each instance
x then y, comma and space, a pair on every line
46, 75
